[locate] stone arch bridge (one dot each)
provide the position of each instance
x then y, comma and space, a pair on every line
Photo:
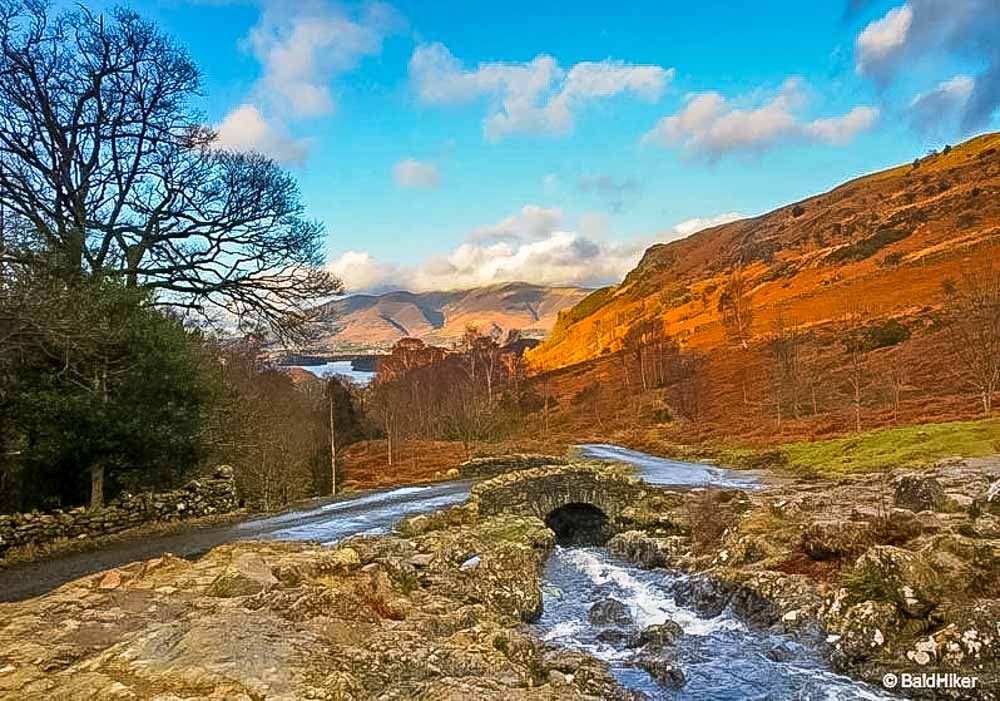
581, 503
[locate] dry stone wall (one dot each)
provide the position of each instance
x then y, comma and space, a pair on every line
215, 494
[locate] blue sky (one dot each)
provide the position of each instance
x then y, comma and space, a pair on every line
448, 144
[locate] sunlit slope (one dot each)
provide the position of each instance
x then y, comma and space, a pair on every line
886, 240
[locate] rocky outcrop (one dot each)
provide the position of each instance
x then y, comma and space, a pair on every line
919, 493
207, 496
648, 551
881, 575
610, 612
375, 618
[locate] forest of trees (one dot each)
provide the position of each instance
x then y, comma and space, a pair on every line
132, 254
473, 393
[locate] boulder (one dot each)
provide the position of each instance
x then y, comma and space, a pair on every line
896, 576
663, 670
862, 631
610, 612
657, 636
707, 595
782, 652
646, 551
831, 539
919, 493
614, 636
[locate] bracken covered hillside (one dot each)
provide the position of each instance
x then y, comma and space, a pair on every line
887, 240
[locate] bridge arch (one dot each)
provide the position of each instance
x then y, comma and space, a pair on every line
581, 503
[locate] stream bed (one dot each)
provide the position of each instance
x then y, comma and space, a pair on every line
720, 657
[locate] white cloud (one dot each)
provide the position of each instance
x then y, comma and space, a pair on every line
711, 126
839, 131
415, 174
535, 97
303, 46
882, 39
246, 129
360, 272
691, 226
927, 34
531, 223
534, 245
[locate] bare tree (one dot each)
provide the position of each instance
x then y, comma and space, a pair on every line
737, 309
784, 346
857, 351
105, 162
974, 306
894, 371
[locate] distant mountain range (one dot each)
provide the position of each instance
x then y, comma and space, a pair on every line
364, 323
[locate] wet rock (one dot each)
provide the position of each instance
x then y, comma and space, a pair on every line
707, 595
782, 652
658, 636
663, 670
610, 612
614, 636
830, 539
752, 607
919, 493
647, 551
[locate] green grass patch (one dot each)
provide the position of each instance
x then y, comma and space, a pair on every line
911, 446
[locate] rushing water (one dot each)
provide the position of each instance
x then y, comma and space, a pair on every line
720, 657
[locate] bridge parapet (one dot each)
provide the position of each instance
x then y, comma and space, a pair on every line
541, 491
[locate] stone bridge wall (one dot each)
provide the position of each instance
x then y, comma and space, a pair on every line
201, 497
540, 491
479, 468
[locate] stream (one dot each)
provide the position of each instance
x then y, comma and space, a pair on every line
721, 658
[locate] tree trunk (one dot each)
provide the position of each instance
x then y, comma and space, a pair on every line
388, 436
97, 486
333, 449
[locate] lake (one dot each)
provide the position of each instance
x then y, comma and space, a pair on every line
342, 368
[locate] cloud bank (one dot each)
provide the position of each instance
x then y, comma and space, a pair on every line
535, 244
533, 97
711, 126
937, 31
